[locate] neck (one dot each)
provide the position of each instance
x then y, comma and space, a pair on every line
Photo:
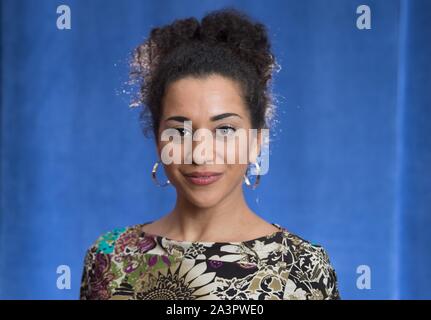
230, 218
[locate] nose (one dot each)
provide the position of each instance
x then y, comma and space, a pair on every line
203, 147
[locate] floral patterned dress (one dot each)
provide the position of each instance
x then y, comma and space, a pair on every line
128, 263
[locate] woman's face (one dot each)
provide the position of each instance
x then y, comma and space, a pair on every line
212, 103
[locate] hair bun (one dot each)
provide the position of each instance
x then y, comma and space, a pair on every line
237, 31
226, 27
170, 36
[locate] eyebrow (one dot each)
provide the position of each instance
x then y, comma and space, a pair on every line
213, 118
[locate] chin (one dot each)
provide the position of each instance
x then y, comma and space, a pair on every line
203, 199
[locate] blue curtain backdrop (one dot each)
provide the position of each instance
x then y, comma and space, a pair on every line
349, 166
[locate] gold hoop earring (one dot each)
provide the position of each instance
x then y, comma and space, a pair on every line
256, 182
154, 176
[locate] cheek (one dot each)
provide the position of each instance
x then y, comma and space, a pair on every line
235, 173
174, 175
171, 152
233, 151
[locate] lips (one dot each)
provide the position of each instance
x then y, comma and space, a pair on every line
203, 178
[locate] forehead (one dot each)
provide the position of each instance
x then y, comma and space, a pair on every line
203, 97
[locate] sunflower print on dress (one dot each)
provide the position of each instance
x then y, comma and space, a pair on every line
128, 263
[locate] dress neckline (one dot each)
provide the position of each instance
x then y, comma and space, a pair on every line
165, 239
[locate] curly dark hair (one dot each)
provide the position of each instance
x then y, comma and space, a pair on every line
226, 42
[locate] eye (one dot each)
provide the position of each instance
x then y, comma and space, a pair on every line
225, 130
183, 131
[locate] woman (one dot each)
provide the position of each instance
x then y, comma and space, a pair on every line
212, 75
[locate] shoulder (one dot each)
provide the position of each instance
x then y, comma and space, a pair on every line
100, 267
111, 241
301, 247
311, 268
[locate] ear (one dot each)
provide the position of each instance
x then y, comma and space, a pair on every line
259, 140
158, 147
255, 145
